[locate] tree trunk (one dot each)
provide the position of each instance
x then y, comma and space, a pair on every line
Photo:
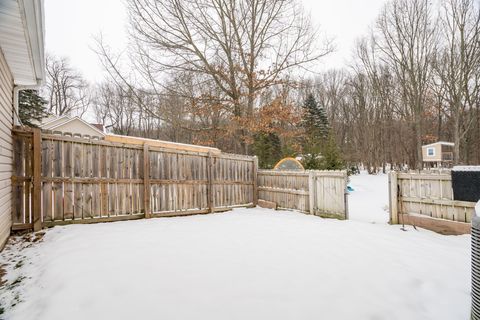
418, 141
456, 140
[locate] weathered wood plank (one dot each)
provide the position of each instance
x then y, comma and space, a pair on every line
86, 179
47, 155
453, 203
18, 205
317, 192
57, 186
93, 220
254, 178
210, 177
284, 191
146, 182
430, 195
78, 203
28, 216
37, 183
413, 176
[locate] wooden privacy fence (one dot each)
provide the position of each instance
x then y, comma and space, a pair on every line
63, 179
426, 200
322, 193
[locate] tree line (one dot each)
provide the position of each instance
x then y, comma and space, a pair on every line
232, 74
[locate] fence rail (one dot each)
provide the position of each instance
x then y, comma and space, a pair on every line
61, 179
426, 199
321, 193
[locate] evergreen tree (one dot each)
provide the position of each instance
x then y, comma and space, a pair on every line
268, 148
312, 161
331, 157
31, 107
315, 124
315, 119
320, 151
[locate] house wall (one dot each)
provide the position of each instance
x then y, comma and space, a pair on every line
76, 126
436, 157
6, 148
447, 153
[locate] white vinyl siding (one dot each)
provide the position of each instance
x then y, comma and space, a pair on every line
6, 147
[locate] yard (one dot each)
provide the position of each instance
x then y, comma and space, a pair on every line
244, 264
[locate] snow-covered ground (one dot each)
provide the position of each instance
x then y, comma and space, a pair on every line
245, 264
369, 200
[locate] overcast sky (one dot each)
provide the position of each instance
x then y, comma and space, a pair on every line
71, 24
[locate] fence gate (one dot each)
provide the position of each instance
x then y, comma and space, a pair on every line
328, 195
322, 193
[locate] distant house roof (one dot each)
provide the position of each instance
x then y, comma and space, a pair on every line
99, 126
77, 125
73, 125
49, 122
48, 119
22, 40
443, 143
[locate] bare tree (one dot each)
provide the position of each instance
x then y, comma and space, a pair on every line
228, 72
457, 66
377, 110
66, 90
188, 111
243, 46
406, 39
115, 108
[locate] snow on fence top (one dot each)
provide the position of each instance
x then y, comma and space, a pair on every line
466, 168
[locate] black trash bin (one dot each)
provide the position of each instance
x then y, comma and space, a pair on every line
466, 183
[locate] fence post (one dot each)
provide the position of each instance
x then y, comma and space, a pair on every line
346, 195
210, 182
393, 196
37, 179
146, 181
311, 191
255, 181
